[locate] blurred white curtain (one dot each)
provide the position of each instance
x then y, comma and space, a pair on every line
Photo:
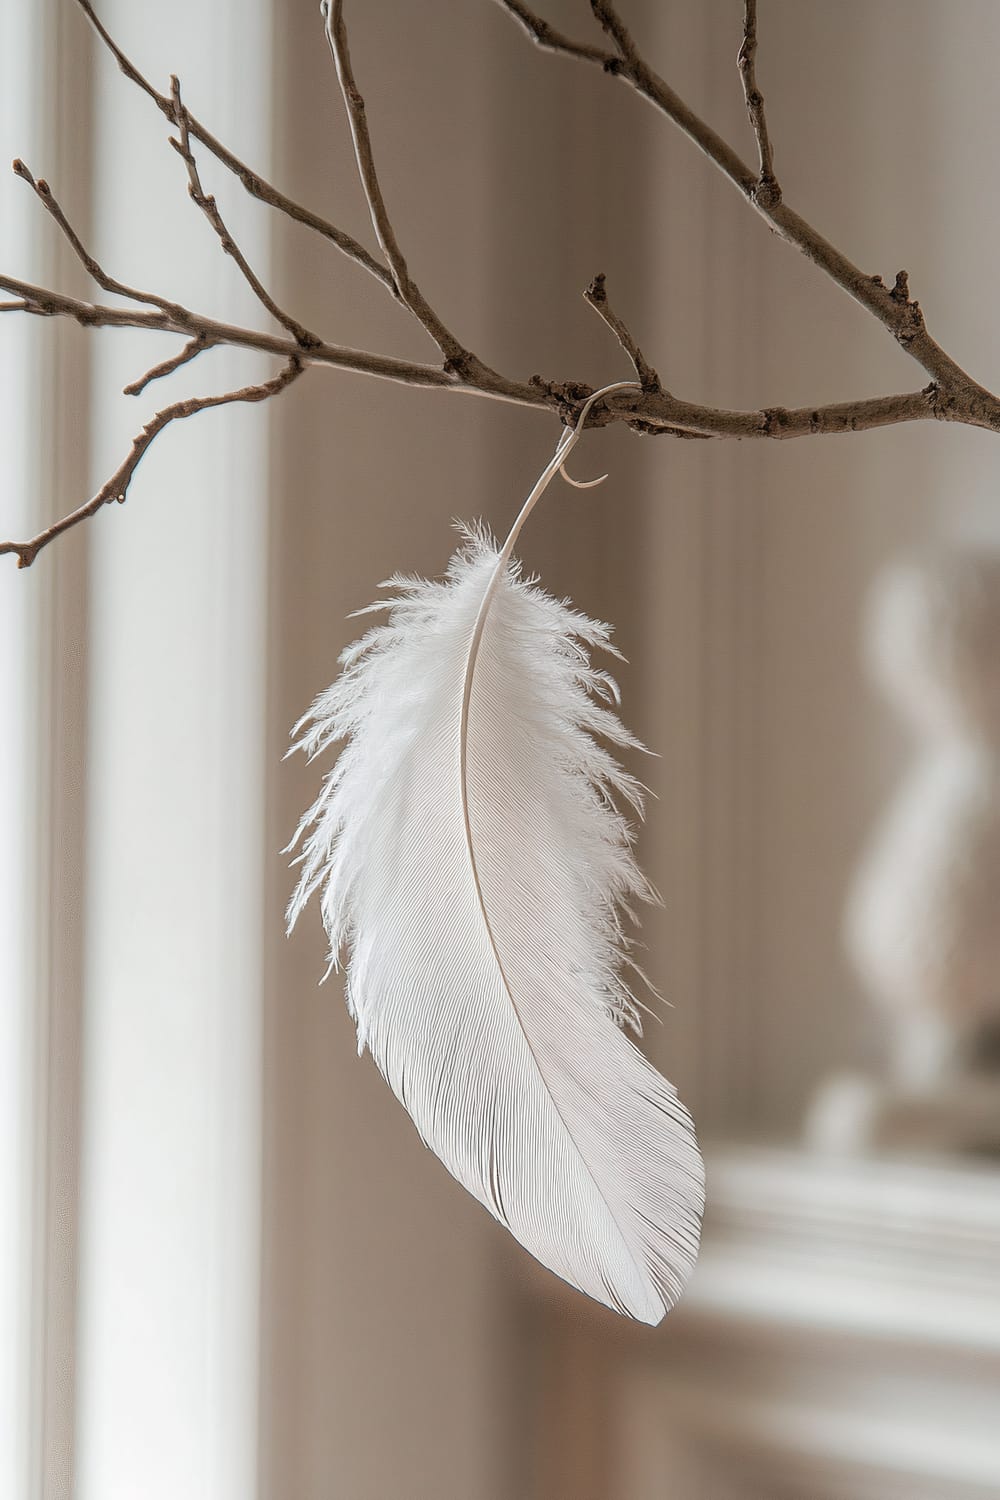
131, 794
170, 1219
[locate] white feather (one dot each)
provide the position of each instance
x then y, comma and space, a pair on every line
475, 868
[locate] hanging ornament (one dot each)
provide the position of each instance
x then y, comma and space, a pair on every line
476, 869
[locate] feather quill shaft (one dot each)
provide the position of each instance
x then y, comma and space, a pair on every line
475, 867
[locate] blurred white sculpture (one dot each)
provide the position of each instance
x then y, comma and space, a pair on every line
923, 916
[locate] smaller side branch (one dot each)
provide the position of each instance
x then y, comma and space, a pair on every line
596, 296
457, 359
191, 350
768, 194
547, 37
252, 181
116, 488
902, 318
107, 283
614, 27
206, 202
646, 410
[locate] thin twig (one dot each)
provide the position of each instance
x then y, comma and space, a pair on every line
108, 283
548, 38
206, 202
616, 29
767, 183
596, 296
257, 186
191, 350
116, 488
45, 302
457, 358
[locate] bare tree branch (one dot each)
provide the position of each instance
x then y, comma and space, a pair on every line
767, 183
252, 181
209, 207
116, 488
951, 396
596, 296
44, 302
655, 410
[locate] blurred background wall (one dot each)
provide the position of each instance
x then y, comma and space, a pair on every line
237, 1267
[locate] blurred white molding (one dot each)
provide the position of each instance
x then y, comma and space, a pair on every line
841, 1337
840, 1340
906, 1250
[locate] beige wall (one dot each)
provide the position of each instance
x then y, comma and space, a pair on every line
735, 576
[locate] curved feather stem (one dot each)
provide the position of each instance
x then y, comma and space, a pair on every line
567, 441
